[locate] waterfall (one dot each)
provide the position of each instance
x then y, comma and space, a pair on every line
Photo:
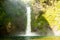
28, 29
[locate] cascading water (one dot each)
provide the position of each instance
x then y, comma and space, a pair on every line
28, 29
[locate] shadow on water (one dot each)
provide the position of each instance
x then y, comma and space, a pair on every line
12, 17
13, 38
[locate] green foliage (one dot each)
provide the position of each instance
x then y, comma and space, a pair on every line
12, 17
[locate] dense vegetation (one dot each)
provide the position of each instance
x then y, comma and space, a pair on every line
45, 15
12, 17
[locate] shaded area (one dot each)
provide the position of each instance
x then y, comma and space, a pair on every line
13, 38
12, 17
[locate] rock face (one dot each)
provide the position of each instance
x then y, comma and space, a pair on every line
14, 17
39, 24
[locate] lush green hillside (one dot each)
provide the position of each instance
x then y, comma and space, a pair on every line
45, 11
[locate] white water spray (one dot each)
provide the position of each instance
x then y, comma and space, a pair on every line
28, 29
